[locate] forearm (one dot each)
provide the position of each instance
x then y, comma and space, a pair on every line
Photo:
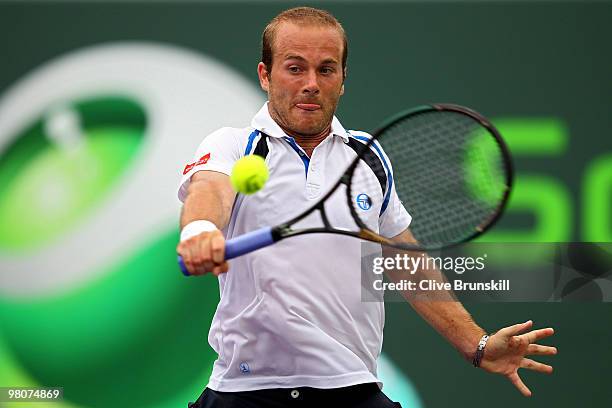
440, 308
453, 322
207, 200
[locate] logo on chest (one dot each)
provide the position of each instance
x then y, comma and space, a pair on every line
364, 201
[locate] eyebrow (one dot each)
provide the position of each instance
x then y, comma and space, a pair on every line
295, 57
300, 58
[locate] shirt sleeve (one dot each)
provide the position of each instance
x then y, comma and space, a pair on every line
395, 219
217, 152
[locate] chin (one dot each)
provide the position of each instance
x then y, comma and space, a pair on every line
309, 126
313, 131
304, 127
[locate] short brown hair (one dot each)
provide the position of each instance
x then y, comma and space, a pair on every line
299, 15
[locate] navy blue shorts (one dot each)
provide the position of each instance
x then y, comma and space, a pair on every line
355, 396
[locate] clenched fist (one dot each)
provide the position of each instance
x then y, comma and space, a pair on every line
204, 253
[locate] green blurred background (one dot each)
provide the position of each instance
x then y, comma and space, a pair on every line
132, 332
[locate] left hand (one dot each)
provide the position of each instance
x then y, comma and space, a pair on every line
506, 350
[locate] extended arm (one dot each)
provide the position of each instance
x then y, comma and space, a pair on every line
506, 350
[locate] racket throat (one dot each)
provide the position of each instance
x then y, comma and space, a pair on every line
281, 231
371, 236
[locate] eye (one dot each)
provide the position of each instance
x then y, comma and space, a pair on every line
294, 69
327, 70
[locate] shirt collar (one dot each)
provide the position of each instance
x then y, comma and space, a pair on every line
263, 122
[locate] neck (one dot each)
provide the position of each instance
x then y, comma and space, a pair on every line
308, 142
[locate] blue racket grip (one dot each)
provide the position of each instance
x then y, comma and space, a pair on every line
241, 245
182, 266
248, 242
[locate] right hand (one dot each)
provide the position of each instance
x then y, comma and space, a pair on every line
204, 253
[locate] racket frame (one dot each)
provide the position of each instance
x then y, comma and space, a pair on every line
285, 230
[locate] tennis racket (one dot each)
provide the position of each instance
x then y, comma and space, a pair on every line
451, 170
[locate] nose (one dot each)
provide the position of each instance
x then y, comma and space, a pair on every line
311, 83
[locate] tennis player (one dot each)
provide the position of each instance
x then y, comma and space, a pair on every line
290, 328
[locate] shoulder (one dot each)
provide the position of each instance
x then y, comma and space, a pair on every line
359, 135
365, 137
231, 133
230, 138
376, 147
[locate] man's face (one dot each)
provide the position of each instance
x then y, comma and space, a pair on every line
306, 79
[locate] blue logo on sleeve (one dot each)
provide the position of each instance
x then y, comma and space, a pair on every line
244, 367
364, 201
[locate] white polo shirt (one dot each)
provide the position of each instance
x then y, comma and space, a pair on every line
291, 315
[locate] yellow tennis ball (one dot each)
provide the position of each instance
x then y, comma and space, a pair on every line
249, 174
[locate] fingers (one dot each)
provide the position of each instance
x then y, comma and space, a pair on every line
519, 384
204, 253
536, 349
217, 270
184, 250
535, 366
217, 247
516, 329
217, 250
203, 258
532, 336
536, 335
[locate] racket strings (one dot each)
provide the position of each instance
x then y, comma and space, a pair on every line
448, 172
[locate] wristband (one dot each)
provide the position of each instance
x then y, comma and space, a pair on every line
480, 350
196, 227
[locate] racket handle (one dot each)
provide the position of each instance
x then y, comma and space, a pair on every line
241, 245
182, 266
248, 242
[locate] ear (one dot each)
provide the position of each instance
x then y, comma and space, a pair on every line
343, 79
262, 73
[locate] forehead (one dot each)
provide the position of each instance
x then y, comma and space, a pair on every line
307, 40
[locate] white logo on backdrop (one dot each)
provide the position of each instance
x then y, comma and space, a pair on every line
185, 95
